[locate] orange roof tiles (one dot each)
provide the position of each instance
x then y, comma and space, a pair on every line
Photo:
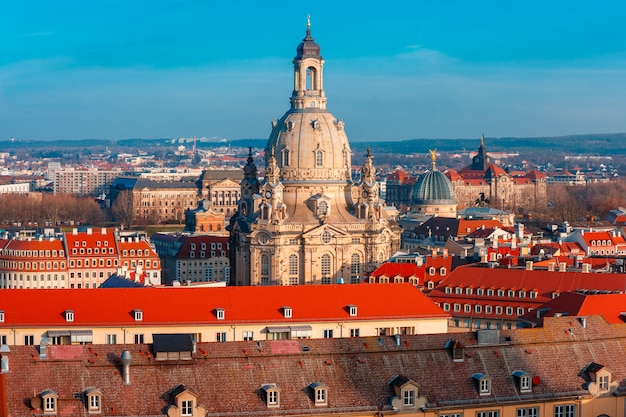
609, 306
114, 306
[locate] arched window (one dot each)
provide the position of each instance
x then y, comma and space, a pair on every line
326, 279
319, 158
285, 155
355, 268
265, 265
311, 80
293, 264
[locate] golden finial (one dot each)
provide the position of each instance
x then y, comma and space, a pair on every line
433, 157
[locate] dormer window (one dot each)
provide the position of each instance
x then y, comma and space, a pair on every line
287, 312
523, 381
69, 316
219, 313
405, 392
456, 349
600, 378
185, 403
1, 316
352, 310
483, 383
272, 395
138, 315
442, 271
468, 291
93, 401
448, 290
49, 401
322, 208
320, 393
431, 271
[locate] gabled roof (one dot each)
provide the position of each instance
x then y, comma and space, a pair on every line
114, 306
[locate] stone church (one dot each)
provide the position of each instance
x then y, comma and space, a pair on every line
307, 222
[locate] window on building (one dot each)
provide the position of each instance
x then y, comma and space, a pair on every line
320, 396
219, 312
565, 410
408, 398
322, 208
490, 413
355, 268
139, 339
328, 334
111, 339
293, 264
49, 403
319, 158
29, 339
603, 382
248, 336
220, 337
186, 408
325, 270
94, 402
354, 333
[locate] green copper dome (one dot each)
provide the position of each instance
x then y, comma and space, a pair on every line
433, 187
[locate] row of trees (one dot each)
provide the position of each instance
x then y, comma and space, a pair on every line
571, 203
565, 203
49, 210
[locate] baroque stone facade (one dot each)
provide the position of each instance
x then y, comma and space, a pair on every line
483, 183
307, 222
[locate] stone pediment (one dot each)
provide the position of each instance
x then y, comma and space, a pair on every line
319, 230
225, 183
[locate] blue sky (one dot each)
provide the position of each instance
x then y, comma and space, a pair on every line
394, 70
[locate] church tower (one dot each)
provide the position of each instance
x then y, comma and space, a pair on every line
310, 223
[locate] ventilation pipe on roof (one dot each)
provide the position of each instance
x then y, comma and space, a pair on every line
551, 267
529, 265
433, 252
445, 252
126, 359
562, 267
483, 258
586, 268
103, 231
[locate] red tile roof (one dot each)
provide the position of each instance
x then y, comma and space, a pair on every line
545, 283
610, 306
226, 377
114, 306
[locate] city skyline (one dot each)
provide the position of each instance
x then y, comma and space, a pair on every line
419, 70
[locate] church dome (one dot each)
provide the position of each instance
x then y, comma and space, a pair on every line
433, 187
309, 143
308, 47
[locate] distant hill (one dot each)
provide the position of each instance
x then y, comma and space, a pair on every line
595, 144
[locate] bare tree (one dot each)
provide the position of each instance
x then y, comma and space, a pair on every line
123, 209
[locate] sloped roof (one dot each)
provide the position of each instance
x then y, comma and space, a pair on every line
356, 371
545, 283
313, 303
609, 306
